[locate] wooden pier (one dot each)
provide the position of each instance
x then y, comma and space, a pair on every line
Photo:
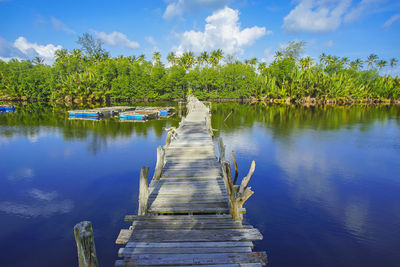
191, 213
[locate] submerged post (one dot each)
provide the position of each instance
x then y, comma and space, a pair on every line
221, 148
143, 191
84, 238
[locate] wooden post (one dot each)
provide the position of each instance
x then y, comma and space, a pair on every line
226, 168
143, 191
236, 167
159, 164
221, 148
84, 238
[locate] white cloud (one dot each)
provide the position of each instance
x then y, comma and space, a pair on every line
316, 16
363, 7
31, 50
117, 39
150, 40
177, 8
60, 26
391, 20
221, 31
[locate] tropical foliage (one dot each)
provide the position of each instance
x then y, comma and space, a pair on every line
90, 74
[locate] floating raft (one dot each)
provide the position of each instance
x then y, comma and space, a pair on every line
99, 112
162, 111
138, 115
4, 109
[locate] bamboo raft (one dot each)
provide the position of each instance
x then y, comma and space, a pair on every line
138, 115
99, 112
191, 213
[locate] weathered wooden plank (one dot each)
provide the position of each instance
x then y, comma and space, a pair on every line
179, 217
124, 236
129, 252
189, 209
195, 259
190, 226
196, 235
188, 244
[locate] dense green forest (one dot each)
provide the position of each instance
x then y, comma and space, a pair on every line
90, 74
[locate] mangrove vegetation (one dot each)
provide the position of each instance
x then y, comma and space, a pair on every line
90, 74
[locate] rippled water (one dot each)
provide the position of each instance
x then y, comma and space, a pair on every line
327, 183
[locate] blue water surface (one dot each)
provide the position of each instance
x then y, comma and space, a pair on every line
327, 181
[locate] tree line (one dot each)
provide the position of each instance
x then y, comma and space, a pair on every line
89, 73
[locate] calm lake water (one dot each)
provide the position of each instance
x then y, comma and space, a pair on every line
327, 181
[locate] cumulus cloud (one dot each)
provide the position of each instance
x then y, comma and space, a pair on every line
316, 16
30, 50
391, 20
117, 39
177, 8
364, 6
221, 31
60, 26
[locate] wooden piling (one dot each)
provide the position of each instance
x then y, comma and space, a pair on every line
143, 191
159, 164
84, 238
221, 148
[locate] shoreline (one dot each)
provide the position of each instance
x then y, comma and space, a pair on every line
305, 101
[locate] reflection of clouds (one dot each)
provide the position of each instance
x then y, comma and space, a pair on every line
41, 195
356, 217
309, 172
43, 204
21, 174
243, 141
38, 209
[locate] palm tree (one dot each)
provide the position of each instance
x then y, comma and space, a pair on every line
38, 61
323, 58
205, 57
187, 60
172, 58
216, 56
381, 63
393, 62
345, 61
278, 55
356, 64
157, 57
306, 62
371, 60
141, 58
261, 67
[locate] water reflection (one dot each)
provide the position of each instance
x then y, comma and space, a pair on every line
326, 182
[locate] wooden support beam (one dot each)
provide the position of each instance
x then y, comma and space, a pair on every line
159, 164
236, 167
143, 191
84, 238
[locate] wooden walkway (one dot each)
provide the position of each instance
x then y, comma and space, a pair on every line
191, 213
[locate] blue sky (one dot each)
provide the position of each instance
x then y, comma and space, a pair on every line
246, 28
